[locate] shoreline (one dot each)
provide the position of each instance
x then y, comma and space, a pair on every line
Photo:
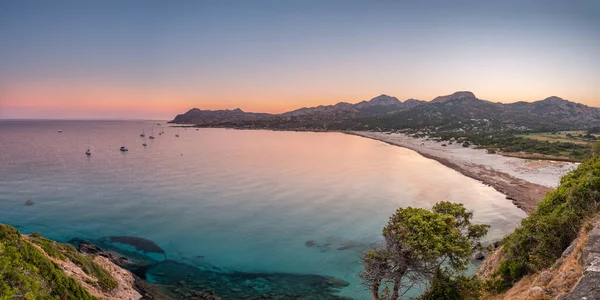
523, 193
523, 180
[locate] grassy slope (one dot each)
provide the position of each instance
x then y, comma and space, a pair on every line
105, 281
26, 272
549, 230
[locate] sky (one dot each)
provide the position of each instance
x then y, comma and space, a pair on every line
129, 59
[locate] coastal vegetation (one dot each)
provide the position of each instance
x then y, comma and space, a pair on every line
433, 247
26, 273
514, 141
551, 228
425, 246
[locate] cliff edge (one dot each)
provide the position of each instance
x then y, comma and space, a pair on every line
32, 267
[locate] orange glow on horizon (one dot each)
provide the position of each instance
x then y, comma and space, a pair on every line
162, 102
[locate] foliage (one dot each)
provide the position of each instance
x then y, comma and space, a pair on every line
106, 281
419, 243
550, 229
26, 273
511, 142
448, 287
596, 149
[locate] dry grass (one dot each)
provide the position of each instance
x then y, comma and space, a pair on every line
559, 137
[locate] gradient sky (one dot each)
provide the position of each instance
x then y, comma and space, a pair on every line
153, 59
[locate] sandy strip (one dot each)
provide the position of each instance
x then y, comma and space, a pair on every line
523, 181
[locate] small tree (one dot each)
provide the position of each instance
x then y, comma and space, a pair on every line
418, 244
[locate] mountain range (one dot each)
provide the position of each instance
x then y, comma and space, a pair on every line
450, 111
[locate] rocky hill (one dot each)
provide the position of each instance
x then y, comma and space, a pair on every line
198, 116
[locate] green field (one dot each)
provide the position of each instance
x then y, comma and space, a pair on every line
576, 137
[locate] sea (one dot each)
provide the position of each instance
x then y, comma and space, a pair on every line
236, 212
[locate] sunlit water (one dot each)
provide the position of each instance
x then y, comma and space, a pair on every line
245, 201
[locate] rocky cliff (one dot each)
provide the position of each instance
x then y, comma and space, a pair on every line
32, 267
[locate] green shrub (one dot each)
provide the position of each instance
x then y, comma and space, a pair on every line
447, 287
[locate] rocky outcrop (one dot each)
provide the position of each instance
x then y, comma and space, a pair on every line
589, 286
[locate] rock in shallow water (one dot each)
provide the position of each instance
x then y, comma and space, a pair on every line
140, 244
478, 255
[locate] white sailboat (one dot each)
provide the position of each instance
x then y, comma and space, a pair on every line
88, 152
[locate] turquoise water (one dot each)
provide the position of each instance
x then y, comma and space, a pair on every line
243, 201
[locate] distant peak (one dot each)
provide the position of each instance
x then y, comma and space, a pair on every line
554, 98
383, 99
237, 110
464, 94
456, 95
382, 96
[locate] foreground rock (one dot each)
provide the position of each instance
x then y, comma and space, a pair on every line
588, 287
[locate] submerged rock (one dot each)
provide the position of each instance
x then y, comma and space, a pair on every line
140, 244
310, 243
242, 285
89, 249
335, 282
29, 202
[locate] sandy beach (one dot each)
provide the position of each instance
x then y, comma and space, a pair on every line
524, 181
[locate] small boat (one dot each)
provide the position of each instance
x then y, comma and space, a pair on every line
123, 149
142, 135
88, 152
60, 131
177, 134
152, 135
196, 129
144, 144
